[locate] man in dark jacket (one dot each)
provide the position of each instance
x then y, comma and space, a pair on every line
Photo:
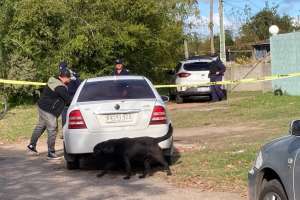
72, 87
51, 104
216, 73
119, 69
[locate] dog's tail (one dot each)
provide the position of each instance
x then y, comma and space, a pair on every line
165, 137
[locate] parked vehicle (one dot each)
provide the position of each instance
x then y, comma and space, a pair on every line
110, 108
276, 171
191, 71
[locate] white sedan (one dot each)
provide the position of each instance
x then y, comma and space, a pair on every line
110, 108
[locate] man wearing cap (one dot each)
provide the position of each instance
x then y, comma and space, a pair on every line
119, 69
51, 104
216, 73
72, 87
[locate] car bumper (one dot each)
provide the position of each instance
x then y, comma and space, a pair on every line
252, 177
81, 141
201, 91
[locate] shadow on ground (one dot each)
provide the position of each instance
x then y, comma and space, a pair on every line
26, 177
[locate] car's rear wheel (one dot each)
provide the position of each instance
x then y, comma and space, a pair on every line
225, 94
179, 99
169, 154
272, 190
71, 165
71, 161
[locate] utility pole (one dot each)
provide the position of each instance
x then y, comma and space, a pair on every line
222, 33
211, 27
186, 49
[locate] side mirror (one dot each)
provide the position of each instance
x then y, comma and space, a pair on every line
295, 128
165, 98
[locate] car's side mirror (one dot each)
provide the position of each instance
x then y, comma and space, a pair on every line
171, 72
165, 98
295, 128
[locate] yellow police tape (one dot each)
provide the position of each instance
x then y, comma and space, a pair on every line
249, 80
14, 82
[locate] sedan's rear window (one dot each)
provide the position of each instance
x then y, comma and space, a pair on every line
115, 89
197, 66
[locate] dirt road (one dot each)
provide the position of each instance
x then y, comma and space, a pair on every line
24, 177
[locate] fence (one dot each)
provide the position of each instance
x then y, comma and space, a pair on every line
258, 70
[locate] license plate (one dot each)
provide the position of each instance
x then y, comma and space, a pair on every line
203, 89
118, 118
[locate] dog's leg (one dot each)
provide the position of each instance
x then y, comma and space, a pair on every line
102, 174
147, 168
127, 167
107, 167
160, 158
167, 168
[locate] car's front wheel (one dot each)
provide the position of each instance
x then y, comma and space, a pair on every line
272, 190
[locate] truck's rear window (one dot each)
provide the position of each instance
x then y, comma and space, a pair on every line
197, 66
115, 89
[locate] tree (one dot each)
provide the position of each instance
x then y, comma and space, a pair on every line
257, 28
90, 34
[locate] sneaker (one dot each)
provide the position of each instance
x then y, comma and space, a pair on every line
53, 156
32, 150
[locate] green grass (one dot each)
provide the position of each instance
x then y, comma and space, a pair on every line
18, 123
253, 107
228, 157
222, 167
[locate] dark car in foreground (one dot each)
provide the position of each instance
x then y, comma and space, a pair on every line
275, 174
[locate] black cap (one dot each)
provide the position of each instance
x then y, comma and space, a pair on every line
119, 61
63, 65
65, 73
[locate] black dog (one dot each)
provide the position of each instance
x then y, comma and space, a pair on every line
141, 149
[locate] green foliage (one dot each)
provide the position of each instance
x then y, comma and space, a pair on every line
35, 35
198, 46
257, 28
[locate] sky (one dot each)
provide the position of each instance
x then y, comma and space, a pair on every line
234, 12
290, 7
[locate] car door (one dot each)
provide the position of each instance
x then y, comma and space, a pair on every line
296, 178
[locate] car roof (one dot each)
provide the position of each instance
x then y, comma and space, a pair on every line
113, 78
199, 59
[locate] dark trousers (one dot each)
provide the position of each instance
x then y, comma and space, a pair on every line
216, 90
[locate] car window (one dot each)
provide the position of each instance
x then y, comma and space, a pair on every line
115, 89
197, 66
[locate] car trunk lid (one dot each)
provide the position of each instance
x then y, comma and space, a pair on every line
117, 115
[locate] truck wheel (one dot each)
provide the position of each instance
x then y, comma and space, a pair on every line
179, 99
272, 190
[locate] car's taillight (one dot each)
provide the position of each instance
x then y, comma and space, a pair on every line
76, 120
183, 74
158, 116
